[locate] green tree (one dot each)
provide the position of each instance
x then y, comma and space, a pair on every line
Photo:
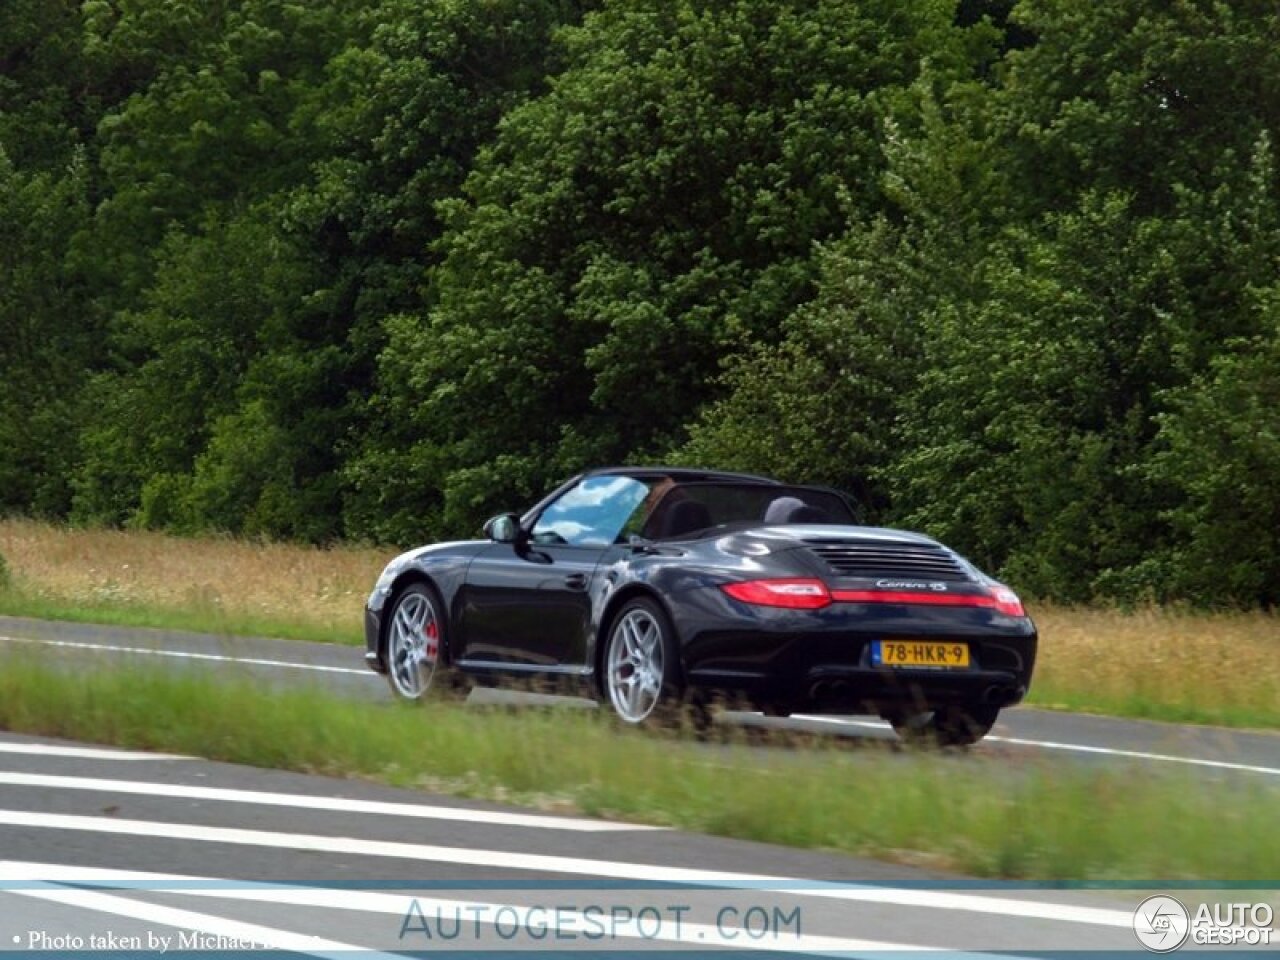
1071, 240
404, 113
269, 200
180, 359
45, 338
823, 405
42, 77
653, 214
1220, 447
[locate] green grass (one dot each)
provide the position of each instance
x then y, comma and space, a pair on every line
991, 817
194, 618
1142, 706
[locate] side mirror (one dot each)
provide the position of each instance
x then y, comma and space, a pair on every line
504, 528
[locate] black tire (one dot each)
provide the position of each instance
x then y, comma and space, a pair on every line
415, 641
945, 726
640, 672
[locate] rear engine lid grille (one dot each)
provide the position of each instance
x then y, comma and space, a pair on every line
873, 559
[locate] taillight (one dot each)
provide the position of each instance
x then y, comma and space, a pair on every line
1007, 602
794, 594
996, 598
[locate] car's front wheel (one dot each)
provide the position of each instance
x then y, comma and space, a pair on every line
640, 669
415, 637
945, 726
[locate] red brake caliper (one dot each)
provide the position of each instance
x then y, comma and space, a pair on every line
432, 633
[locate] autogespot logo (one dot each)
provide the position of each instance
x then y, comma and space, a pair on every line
1161, 924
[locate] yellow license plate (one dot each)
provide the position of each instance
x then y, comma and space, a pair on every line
918, 653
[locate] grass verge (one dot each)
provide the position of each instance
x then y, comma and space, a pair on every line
195, 619
1158, 664
208, 584
978, 816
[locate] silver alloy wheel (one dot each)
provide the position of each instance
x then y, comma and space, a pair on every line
634, 673
413, 644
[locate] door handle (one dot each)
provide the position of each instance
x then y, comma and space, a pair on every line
576, 581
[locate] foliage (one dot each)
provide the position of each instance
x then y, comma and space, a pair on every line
651, 215
1221, 451
46, 332
1006, 272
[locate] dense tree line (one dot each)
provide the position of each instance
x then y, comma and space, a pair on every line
1008, 273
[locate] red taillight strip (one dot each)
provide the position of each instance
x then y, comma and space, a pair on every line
795, 593
804, 593
904, 596
1012, 607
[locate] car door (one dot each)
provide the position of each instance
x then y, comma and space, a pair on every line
528, 605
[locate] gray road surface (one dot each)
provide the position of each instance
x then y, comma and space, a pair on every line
103, 849
173, 851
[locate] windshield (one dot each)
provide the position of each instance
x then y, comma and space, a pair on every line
593, 513
688, 508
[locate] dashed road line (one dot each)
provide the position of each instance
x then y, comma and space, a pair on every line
1072, 747
310, 802
83, 753
574, 866
187, 655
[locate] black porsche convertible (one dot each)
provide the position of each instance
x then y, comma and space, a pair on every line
656, 586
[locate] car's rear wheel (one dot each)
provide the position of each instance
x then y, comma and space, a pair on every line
640, 668
945, 726
415, 638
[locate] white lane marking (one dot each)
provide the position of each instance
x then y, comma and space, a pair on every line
200, 922
843, 721
185, 655
1138, 755
83, 753
1073, 748
543, 863
566, 919
308, 802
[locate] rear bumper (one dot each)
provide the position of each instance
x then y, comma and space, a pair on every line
824, 664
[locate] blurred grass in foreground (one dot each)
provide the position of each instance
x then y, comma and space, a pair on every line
988, 816
1162, 664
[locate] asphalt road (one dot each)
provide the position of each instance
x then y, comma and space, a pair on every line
103, 849
158, 851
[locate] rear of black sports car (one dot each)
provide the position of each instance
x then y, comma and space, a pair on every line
840, 619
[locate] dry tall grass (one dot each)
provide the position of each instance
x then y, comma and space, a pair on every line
220, 578
1161, 663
